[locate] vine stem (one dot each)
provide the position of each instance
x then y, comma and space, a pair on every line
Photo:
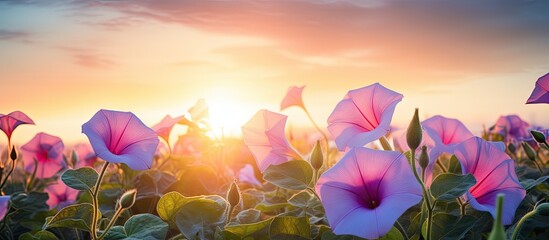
520, 223
111, 222
425, 195
326, 142
95, 199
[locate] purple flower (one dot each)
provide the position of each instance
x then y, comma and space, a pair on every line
363, 116
4, 202
60, 195
86, 155
246, 174
293, 98
495, 173
164, 127
264, 136
48, 151
367, 191
512, 127
9, 122
540, 94
120, 137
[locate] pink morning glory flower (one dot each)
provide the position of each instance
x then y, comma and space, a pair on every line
86, 155
512, 127
121, 137
363, 116
495, 173
293, 98
9, 122
48, 151
164, 127
247, 175
60, 195
367, 191
540, 94
264, 135
4, 202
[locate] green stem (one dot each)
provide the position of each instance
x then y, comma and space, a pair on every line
425, 195
385, 144
520, 223
402, 230
113, 220
327, 144
539, 168
313, 191
33, 176
95, 201
9, 173
462, 206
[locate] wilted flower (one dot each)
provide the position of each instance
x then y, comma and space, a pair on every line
164, 127
540, 94
47, 150
367, 191
363, 116
512, 127
4, 201
86, 155
60, 195
495, 173
264, 136
121, 137
247, 175
293, 98
9, 122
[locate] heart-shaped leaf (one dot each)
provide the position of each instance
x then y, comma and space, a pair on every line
80, 179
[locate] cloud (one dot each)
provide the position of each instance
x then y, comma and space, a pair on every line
88, 58
8, 35
448, 36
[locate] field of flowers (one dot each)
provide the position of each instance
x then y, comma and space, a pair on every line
359, 179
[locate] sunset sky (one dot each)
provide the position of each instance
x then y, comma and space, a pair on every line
61, 61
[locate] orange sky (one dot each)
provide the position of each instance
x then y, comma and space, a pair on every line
61, 62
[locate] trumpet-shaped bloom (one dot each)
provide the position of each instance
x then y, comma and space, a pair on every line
367, 191
293, 98
9, 122
540, 94
512, 127
247, 175
121, 137
48, 151
4, 202
363, 116
199, 111
495, 173
164, 127
60, 195
86, 155
264, 136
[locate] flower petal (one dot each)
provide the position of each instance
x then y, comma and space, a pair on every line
9, 122
293, 98
364, 115
47, 150
540, 94
4, 201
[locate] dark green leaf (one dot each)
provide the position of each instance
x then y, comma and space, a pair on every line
259, 230
290, 228
449, 186
531, 183
200, 217
77, 216
40, 235
294, 175
449, 227
80, 179
393, 234
248, 216
146, 226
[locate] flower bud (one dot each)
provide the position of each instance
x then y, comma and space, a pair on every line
512, 149
128, 199
317, 159
538, 136
530, 153
233, 195
414, 132
423, 158
498, 232
543, 209
13, 154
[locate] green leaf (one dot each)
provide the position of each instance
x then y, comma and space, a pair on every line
304, 199
169, 205
146, 226
258, 230
77, 216
531, 183
40, 235
80, 179
200, 217
393, 234
449, 186
32, 202
248, 216
287, 227
294, 175
329, 235
454, 166
450, 227
116, 233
